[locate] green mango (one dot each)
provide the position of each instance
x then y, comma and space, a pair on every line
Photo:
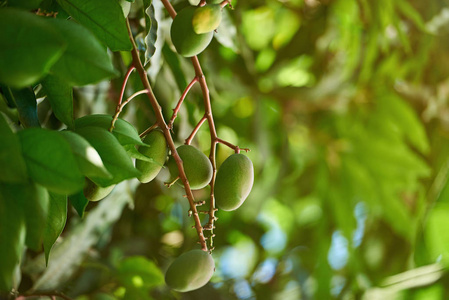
186, 41
190, 271
157, 151
196, 165
206, 18
234, 181
93, 192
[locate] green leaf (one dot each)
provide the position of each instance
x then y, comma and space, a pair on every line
60, 95
85, 61
57, 217
29, 46
50, 161
436, 233
139, 269
35, 208
88, 159
104, 18
79, 202
125, 133
11, 159
174, 64
134, 153
25, 4
25, 101
151, 30
12, 232
113, 155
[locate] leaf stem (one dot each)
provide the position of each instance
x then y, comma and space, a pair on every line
195, 130
119, 108
181, 100
163, 125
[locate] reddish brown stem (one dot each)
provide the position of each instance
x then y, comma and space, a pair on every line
181, 100
195, 130
148, 130
163, 125
125, 81
237, 149
119, 108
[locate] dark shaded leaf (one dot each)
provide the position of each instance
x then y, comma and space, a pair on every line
60, 95
13, 168
25, 101
79, 202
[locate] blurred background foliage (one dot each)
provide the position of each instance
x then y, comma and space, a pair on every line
343, 104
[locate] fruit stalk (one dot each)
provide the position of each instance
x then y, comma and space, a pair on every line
163, 125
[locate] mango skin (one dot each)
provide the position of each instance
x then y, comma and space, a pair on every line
93, 192
233, 182
158, 152
190, 271
186, 41
206, 18
196, 165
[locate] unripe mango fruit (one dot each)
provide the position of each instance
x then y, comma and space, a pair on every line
186, 41
206, 18
234, 181
190, 271
196, 165
157, 151
93, 192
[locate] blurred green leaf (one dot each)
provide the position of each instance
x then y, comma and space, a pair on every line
60, 95
29, 46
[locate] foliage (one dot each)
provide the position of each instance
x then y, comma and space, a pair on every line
342, 103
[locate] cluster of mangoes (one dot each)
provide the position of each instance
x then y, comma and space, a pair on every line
233, 182
192, 28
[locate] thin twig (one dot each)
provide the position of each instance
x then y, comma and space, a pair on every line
148, 130
119, 108
195, 130
178, 106
163, 125
51, 295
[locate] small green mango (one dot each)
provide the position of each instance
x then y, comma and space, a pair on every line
186, 41
234, 181
196, 165
206, 18
93, 192
190, 271
157, 151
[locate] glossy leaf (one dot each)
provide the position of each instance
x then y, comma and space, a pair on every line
29, 46
60, 95
125, 133
85, 61
104, 18
50, 161
55, 223
134, 153
113, 155
11, 159
88, 159
25, 102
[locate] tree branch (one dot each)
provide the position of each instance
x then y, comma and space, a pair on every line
163, 125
